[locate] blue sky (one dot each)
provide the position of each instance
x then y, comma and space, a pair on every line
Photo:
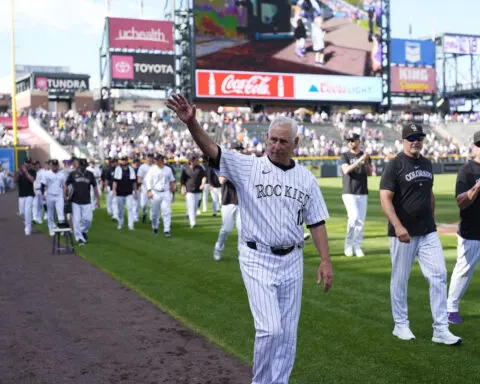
68, 32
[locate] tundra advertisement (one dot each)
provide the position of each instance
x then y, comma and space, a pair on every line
152, 69
137, 34
51, 82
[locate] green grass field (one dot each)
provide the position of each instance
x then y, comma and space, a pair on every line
344, 336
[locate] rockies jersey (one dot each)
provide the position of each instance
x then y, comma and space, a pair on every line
25, 187
192, 178
355, 182
143, 170
53, 182
81, 183
467, 177
274, 201
411, 180
154, 180
125, 179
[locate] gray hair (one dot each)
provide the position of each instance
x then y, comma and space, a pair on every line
284, 121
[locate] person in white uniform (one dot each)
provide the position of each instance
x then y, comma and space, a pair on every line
356, 167
276, 197
160, 184
53, 182
125, 192
142, 172
37, 200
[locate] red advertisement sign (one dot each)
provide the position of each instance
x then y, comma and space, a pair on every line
7, 122
413, 80
141, 34
252, 85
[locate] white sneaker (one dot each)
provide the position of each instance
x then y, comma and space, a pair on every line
403, 333
359, 252
446, 337
348, 251
217, 252
51, 233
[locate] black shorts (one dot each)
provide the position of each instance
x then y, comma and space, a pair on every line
67, 207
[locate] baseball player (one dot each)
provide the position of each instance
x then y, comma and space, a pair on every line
276, 197
408, 202
93, 190
52, 182
125, 191
206, 187
37, 200
142, 172
356, 167
212, 183
160, 184
468, 249
3, 181
25, 179
107, 181
230, 215
192, 186
81, 181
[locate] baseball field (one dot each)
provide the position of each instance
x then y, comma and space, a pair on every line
344, 336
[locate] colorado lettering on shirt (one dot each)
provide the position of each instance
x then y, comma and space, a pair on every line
418, 173
277, 190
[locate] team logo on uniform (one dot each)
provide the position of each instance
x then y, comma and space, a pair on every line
413, 127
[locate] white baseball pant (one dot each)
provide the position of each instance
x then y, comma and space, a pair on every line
93, 199
129, 201
161, 201
230, 217
2, 186
468, 253
143, 206
37, 207
429, 251
25, 206
216, 194
274, 288
205, 197
55, 204
192, 200
109, 199
356, 206
82, 216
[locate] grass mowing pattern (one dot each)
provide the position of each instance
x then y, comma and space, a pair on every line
344, 336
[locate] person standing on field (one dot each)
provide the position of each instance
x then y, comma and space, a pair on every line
276, 197
142, 172
356, 167
25, 179
124, 190
468, 248
407, 200
191, 181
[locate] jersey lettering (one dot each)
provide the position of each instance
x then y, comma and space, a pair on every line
418, 173
276, 190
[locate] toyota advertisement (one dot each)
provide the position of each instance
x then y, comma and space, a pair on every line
413, 52
137, 34
337, 38
413, 80
141, 70
286, 86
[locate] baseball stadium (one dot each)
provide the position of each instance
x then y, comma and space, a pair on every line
263, 192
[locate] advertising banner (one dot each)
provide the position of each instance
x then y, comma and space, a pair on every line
141, 34
412, 80
144, 68
61, 83
338, 88
415, 52
238, 85
7, 159
461, 45
7, 122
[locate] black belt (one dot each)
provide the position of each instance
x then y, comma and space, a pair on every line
278, 251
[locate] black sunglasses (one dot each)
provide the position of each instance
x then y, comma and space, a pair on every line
352, 140
411, 139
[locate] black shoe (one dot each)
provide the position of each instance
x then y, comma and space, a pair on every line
85, 236
168, 234
155, 231
63, 225
144, 218
214, 215
81, 243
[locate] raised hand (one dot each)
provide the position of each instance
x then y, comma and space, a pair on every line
178, 104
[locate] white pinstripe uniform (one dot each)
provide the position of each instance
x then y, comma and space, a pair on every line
142, 172
54, 191
274, 204
97, 173
468, 249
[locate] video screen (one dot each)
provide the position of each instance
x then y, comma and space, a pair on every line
336, 37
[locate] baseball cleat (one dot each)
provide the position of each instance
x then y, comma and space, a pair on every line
359, 252
454, 318
446, 337
167, 234
85, 236
144, 218
403, 333
306, 236
155, 231
348, 251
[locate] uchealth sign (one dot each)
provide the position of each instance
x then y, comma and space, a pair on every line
59, 83
257, 85
145, 68
244, 85
412, 79
141, 34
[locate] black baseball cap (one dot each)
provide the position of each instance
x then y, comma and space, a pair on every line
476, 138
54, 162
412, 129
352, 136
124, 158
82, 162
137, 160
192, 157
159, 157
28, 161
150, 154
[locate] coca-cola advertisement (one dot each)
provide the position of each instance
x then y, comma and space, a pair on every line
326, 37
238, 85
134, 34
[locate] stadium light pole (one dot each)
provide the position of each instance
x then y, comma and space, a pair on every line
14, 85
